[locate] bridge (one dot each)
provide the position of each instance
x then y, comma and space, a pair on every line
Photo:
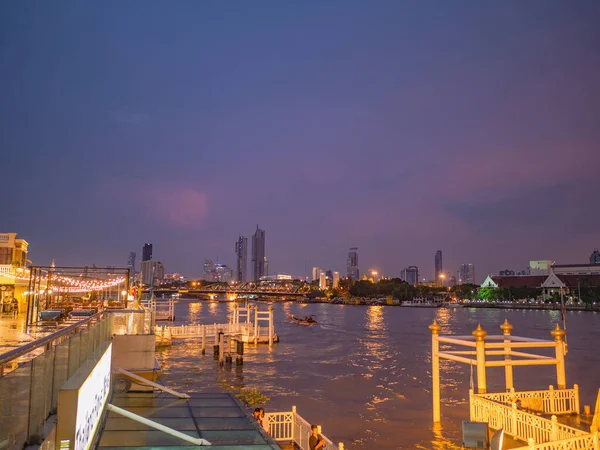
267, 289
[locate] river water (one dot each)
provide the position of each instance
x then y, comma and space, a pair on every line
363, 373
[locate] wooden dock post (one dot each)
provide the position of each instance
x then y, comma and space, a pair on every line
270, 326
221, 337
203, 339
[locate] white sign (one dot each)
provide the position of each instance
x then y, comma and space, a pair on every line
91, 398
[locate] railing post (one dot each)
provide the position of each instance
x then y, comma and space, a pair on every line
294, 424
256, 324
575, 405
471, 406
508, 369
341, 446
560, 356
480, 335
513, 432
554, 429
435, 370
552, 402
271, 326
531, 443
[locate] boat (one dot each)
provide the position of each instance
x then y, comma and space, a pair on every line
306, 321
421, 302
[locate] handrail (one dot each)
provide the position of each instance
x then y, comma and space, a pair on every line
28, 348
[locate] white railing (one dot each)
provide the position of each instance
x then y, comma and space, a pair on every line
517, 423
290, 426
551, 401
586, 442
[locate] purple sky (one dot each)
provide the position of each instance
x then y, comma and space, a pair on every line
397, 127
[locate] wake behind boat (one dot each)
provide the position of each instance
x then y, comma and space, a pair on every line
306, 320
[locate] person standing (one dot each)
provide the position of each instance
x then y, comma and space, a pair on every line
15, 307
316, 441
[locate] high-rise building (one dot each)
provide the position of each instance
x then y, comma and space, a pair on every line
595, 257
352, 264
258, 254
316, 273
147, 252
466, 274
208, 269
438, 266
336, 280
241, 257
131, 262
153, 272
322, 281
223, 273
410, 275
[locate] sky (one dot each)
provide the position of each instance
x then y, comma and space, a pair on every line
398, 127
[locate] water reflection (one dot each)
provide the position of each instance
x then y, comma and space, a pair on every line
364, 372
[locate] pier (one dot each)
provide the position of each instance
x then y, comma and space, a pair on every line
529, 416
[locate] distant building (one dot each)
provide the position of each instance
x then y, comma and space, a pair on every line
438, 265
153, 272
147, 252
541, 267
451, 281
595, 257
208, 270
13, 258
241, 256
316, 273
466, 274
277, 277
223, 273
131, 263
335, 281
352, 264
258, 254
576, 269
322, 281
410, 275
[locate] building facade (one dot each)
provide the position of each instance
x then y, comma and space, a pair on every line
153, 272
147, 252
13, 261
316, 273
595, 257
335, 283
352, 264
131, 262
322, 281
223, 273
208, 270
258, 254
466, 274
241, 258
410, 275
438, 266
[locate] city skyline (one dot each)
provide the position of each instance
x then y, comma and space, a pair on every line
398, 128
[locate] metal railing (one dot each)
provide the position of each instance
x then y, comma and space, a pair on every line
290, 426
29, 391
551, 401
586, 442
517, 423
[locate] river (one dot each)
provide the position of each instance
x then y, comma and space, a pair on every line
363, 373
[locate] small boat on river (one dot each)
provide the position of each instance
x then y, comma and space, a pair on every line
306, 320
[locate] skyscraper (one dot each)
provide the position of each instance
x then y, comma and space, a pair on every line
241, 257
466, 274
258, 254
208, 270
147, 252
352, 264
336, 280
316, 273
410, 275
131, 263
438, 265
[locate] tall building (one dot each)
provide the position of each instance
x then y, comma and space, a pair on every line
595, 257
410, 275
466, 274
438, 266
258, 254
223, 273
13, 251
352, 264
131, 262
336, 280
241, 257
153, 272
322, 281
208, 270
147, 252
316, 273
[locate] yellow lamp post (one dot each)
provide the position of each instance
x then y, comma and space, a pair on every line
480, 335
